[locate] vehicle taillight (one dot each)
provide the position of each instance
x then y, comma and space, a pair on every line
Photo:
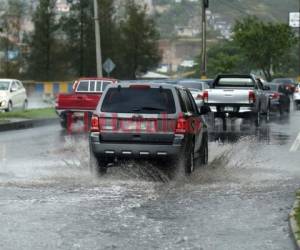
181, 126
275, 95
252, 97
205, 96
199, 97
95, 125
137, 86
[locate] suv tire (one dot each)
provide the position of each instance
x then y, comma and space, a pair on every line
256, 119
189, 160
204, 151
98, 165
9, 107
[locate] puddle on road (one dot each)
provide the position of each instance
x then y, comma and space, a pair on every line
230, 161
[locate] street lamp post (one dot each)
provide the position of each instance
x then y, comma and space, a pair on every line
299, 43
205, 4
98, 40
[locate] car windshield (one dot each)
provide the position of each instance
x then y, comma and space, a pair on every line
236, 82
139, 100
192, 85
4, 85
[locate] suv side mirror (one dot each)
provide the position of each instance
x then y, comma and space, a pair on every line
204, 110
13, 89
266, 88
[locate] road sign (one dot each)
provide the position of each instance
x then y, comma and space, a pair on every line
294, 19
109, 66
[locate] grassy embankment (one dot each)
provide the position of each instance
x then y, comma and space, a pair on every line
28, 114
297, 215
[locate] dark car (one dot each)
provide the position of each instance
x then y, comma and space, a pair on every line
148, 121
288, 83
279, 98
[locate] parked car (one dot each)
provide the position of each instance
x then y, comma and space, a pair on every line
84, 98
237, 96
197, 87
12, 95
278, 97
289, 84
296, 96
153, 121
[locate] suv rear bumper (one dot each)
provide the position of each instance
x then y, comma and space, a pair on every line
134, 150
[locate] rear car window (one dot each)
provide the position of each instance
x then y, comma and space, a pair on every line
192, 85
139, 100
83, 86
105, 84
237, 82
273, 87
283, 80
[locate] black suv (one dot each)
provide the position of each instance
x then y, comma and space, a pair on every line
154, 121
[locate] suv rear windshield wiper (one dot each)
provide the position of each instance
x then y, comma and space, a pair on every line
138, 109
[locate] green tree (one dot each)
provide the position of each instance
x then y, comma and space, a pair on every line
79, 29
41, 59
223, 58
11, 37
138, 43
265, 45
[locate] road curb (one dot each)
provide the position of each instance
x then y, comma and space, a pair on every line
293, 223
27, 124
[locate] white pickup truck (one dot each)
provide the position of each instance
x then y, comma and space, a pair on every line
240, 96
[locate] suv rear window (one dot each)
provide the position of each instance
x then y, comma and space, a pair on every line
139, 100
236, 82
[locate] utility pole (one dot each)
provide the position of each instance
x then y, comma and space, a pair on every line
98, 40
299, 43
205, 4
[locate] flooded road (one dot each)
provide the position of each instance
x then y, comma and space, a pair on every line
241, 200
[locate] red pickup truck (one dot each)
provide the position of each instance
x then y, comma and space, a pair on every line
84, 98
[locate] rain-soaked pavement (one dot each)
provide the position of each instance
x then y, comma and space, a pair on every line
49, 199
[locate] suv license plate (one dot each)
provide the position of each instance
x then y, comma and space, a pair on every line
228, 109
144, 125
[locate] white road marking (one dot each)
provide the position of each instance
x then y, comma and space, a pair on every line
296, 144
2, 154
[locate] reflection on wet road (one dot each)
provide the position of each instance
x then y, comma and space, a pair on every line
49, 199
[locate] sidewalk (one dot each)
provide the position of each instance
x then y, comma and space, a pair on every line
18, 123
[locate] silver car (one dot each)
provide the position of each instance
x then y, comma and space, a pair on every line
296, 96
197, 87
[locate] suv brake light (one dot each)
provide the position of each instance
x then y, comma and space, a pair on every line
252, 97
137, 86
275, 95
181, 126
205, 96
95, 125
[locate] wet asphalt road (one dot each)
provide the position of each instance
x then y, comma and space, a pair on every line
49, 199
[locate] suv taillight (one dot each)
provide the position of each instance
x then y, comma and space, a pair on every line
275, 95
252, 97
95, 125
205, 96
181, 126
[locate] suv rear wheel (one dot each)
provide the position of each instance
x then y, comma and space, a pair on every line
189, 160
98, 165
204, 151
